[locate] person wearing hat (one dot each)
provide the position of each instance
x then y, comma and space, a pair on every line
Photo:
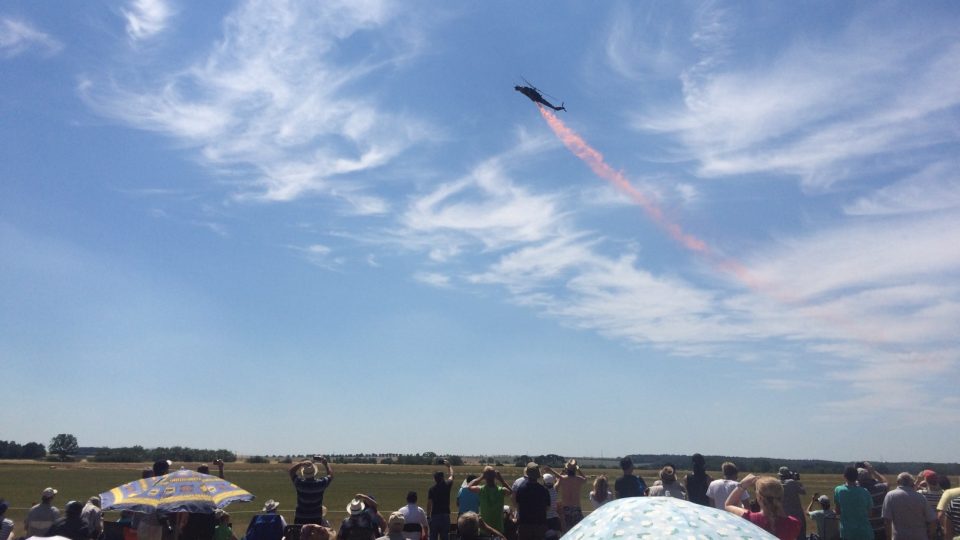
70, 525
928, 485
310, 490
554, 525
268, 525
41, 517
792, 505
821, 516
6, 525
569, 485
359, 524
224, 529
668, 486
533, 501
92, 516
394, 527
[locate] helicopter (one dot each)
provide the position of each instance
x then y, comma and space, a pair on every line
535, 96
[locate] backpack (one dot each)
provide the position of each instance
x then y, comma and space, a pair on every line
265, 527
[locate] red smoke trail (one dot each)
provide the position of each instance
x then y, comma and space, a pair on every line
594, 160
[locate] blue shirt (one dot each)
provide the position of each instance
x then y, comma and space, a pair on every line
467, 501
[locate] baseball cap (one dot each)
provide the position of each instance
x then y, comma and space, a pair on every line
823, 499
929, 476
532, 470
549, 479
48, 492
396, 518
784, 471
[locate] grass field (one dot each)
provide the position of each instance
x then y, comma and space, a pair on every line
21, 484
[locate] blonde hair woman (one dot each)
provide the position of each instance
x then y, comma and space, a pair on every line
771, 516
601, 493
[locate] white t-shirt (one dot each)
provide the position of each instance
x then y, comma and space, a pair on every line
598, 504
719, 490
413, 514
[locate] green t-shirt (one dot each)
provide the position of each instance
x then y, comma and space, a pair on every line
222, 532
491, 505
854, 503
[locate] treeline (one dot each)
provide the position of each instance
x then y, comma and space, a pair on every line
772, 465
425, 458
550, 460
136, 454
15, 450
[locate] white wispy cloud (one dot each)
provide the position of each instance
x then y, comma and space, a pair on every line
146, 18
935, 187
818, 106
18, 37
434, 279
268, 103
484, 208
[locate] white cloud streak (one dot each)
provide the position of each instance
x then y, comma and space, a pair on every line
819, 106
269, 104
18, 37
146, 18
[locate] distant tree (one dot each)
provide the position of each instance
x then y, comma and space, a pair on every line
63, 445
257, 459
33, 450
521, 461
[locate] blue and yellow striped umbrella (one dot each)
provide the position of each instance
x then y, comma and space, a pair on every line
180, 491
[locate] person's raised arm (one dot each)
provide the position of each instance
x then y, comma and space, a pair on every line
506, 486
326, 465
449, 470
295, 468
484, 527
873, 472
474, 484
367, 501
732, 504
812, 500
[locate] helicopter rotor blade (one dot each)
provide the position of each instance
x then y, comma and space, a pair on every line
530, 84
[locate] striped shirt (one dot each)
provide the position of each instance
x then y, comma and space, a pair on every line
933, 497
950, 505
6, 527
310, 499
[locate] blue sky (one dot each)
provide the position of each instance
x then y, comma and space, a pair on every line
333, 226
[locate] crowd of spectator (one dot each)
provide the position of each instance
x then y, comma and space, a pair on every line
538, 506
